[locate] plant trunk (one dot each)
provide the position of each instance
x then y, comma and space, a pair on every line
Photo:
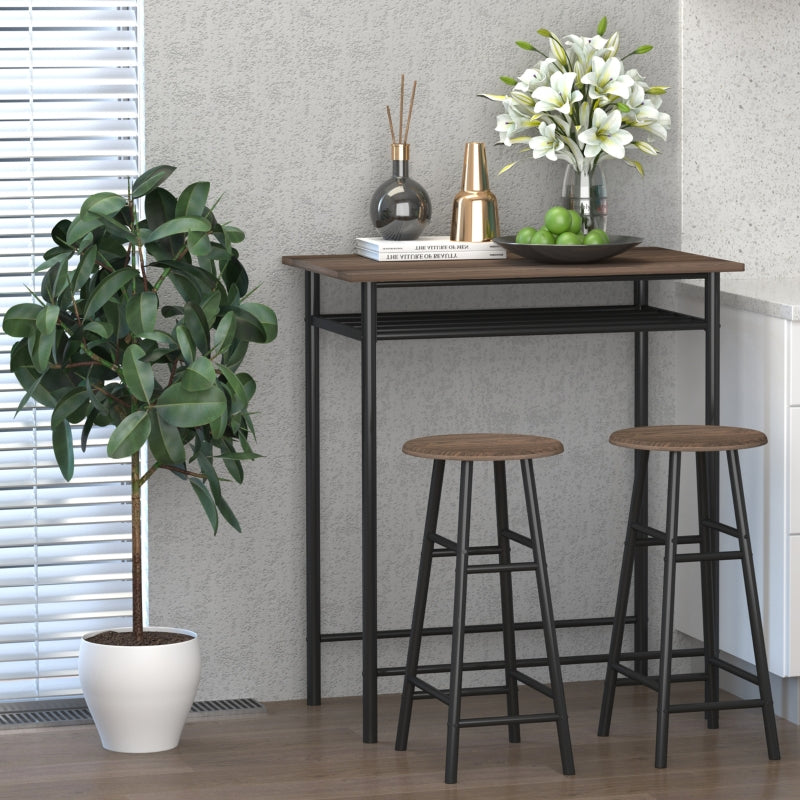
136, 550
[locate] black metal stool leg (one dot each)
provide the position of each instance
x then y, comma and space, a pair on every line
459, 622
506, 599
708, 591
548, 622
623, 593
420, 602
667, 610
754, 612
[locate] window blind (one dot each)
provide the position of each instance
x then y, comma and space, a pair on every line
70, 125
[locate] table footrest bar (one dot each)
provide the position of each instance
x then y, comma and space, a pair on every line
540, 687
720, 705
403, 633
519, 566
734, 670
478, 722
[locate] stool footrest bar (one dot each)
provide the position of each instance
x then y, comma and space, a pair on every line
540, 687
636, 677
722, 528
477, 722
734, 670
720, 705
725, 555
520, 566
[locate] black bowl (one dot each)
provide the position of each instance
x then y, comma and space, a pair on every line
569, 253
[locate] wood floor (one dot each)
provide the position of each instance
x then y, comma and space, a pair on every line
296, 751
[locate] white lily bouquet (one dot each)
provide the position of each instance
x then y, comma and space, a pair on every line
580, 104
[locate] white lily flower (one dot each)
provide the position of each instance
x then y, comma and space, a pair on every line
605, 79
649, 118
558, 96
546, 144
605, 135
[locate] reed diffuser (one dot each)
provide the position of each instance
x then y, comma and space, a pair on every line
400, 208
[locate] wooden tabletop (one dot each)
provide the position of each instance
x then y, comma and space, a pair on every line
637, 262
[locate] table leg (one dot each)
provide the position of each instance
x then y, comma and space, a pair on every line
640, 417
369, 516
313, 602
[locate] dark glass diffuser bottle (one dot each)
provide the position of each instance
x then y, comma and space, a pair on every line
400, 208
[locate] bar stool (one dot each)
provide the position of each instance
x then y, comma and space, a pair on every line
497, 448
704, 441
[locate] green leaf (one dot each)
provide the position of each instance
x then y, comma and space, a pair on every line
47, 319
228, 514
266, 316
140, 312
195, 321
130, 435
62, 445
198, 243
80, 226
186, 409
175, 226
103, 203
86, 266
150, 179
165, 441
40, 346
207, 501
233, 234
72, 407
100, 328
192, 200
185, 343
223, 335
107, 288
137, 374
199, 375
218, 425
211, 306
20, 320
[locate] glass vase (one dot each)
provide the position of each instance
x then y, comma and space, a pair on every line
400, 208
584, 191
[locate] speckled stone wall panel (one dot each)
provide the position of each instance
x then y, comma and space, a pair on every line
741, 108
281, 105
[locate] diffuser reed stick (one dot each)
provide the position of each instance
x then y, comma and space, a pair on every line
403, 134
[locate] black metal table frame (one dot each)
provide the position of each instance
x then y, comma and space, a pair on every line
370, 326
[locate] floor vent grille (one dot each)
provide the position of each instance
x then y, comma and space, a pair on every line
75, 712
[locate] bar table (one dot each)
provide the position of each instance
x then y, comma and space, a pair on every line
369, 325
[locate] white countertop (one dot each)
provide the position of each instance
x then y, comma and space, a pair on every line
775, 297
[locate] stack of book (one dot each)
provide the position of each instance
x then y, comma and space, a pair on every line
426, 247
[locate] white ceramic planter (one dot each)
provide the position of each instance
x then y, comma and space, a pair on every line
139, 697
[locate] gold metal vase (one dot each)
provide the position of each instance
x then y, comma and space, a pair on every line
475, 217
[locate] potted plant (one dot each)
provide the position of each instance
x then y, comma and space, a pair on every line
141, 324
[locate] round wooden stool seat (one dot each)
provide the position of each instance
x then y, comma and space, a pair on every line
688, 438
483, 447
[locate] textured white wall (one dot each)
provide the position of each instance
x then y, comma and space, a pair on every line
741, 112
281, 105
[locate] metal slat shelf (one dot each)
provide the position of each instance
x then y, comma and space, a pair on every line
511, 322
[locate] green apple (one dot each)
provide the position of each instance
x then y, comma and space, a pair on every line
543, 236
568, 237
524, 235
596, 236
576, 223
557, 220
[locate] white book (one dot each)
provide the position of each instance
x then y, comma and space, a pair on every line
438, 255
424, 244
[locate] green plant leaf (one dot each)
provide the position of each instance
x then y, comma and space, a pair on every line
207, 501
266, 316
47, 319
40, 346
80, 226
165, 441
198, 243
226, 330
130, 435
137, 374
107, 288
72, 407
103, 204
192, 200
20, 320
185, 343
227, 513
199, 375
186, 409
86, 266
218, 425
171, 227
62, 446
195, 321
140, 312
150, 179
